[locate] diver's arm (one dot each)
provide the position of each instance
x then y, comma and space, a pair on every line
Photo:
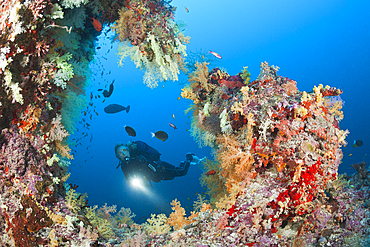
169, 171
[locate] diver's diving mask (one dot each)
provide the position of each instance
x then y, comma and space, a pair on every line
122, 152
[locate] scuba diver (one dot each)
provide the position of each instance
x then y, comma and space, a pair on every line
139, 160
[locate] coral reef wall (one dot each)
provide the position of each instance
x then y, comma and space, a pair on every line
274, 179
277, 152
45, 50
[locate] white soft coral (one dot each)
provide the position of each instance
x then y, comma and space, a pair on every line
57, 131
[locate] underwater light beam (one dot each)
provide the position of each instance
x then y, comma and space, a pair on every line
138, 183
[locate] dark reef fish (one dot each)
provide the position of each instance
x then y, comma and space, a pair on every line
106, 93
114, 108
161, 135
357, 143
130, 131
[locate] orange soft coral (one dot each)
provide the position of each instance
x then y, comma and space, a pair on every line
236, 163
177, 219
201, 76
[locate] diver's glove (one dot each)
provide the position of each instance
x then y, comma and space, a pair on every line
196, 160
189, 157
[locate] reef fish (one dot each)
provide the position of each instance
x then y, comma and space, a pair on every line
161, 135
130, 131
172, 125
215, 54
106, 93
357, 143
114, 108
97, 24
211, 172
187, 10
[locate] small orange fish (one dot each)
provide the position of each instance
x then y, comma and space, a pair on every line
187, 10
211, 172
178, 98
203, 57
350, 155
173, 115
91, 96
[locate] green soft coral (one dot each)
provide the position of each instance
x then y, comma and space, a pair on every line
65, 70
72, 106
71, 200
124, 216
198, 204
163, 67
245, 75
102, 225
75, 201
73, 3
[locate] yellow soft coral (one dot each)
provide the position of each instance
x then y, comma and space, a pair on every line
215, 184
318, 93
305, 97
335, 108
300, 112
228, 200
188, 93
157, 224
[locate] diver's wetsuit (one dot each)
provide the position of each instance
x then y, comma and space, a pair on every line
145, 161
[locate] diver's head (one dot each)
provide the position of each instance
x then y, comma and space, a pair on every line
122, 152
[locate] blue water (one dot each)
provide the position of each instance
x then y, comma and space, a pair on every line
313, 42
